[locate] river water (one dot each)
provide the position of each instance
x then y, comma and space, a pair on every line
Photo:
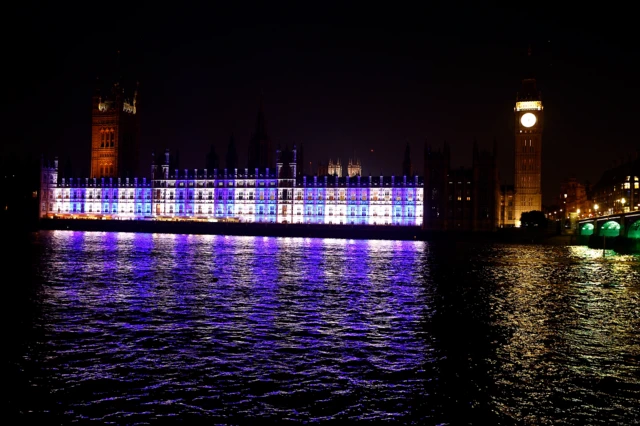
120, 328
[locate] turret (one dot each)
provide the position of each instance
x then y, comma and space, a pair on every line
154, 167
136, 98
165, 166
294, 162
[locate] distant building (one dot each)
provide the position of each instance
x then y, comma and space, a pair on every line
334, 168
507, 207
263, 192
323, 169
574, 198
115, 132
618, 188
269, 195
354, 167
461, 199
528, 113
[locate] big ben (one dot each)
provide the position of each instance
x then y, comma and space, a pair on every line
528, 150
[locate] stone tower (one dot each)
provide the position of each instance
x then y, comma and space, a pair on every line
115, 132
528, 113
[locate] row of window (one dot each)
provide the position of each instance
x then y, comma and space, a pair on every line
107, 138
106, 170
75, 208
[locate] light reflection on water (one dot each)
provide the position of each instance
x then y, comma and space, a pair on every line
128, 328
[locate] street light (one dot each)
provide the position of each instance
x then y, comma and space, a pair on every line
596, 207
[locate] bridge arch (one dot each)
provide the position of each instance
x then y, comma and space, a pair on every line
634, 230
586, 229
610, 228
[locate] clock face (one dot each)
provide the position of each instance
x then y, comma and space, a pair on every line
528, 119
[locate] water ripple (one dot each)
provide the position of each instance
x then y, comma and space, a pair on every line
136, 328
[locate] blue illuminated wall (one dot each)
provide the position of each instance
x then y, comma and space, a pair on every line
239, 196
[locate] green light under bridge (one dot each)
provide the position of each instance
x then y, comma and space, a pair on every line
586, 229
634, 230
610, 229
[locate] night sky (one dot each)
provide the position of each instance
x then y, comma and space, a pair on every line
337, 80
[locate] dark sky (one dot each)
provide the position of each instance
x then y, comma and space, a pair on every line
335, 79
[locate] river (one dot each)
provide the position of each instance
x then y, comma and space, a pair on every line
124, 328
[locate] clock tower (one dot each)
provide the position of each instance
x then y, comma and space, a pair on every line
528, 159
115, 130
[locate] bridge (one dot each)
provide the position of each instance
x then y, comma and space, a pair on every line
619, 231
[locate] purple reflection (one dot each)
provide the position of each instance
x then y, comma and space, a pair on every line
239, 325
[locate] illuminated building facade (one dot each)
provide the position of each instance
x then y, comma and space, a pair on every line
115, 133
507, 213
334, 169
444, 199
618, 190
528, 150
270, 196
574, 198
354, 167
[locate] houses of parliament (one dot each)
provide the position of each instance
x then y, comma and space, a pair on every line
274, 188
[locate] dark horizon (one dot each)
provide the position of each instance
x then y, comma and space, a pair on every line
333, 83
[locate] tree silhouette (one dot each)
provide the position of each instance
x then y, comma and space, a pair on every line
532, 219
